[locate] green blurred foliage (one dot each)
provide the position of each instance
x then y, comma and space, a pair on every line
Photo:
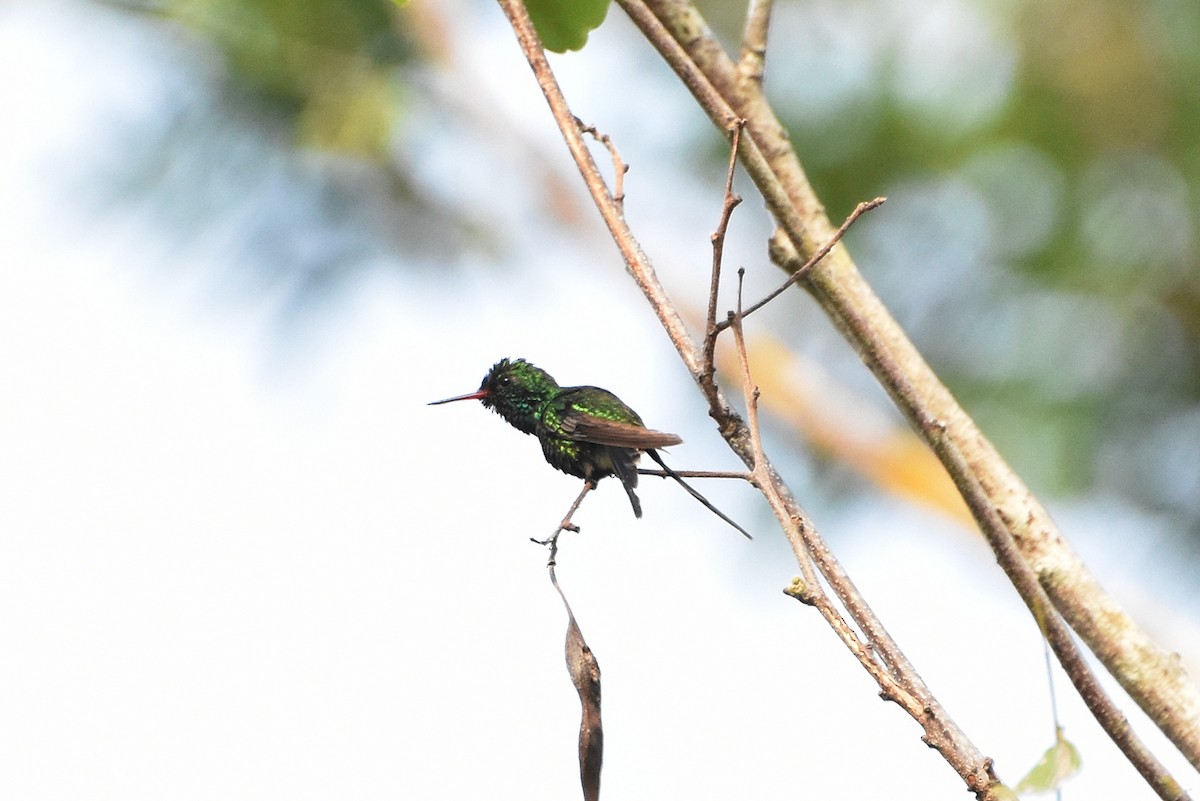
1041, 158
327, 62
278, 146
564, 25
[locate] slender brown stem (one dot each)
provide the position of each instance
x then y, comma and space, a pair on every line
729, 203
878, 654
739, 474
815, 259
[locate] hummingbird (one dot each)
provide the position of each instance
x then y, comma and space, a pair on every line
585, 431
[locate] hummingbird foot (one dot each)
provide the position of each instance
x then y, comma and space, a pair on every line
551, 542
565, 525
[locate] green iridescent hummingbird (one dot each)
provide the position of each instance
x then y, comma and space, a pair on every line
585, 431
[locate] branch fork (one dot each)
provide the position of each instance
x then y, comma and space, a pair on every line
1015, 523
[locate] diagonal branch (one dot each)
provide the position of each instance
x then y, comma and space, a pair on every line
731, 201
898, 680
1151, 675
1111, 719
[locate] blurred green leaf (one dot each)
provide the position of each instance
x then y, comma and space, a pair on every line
565, 24
1004, 793
1060, 762
294, 52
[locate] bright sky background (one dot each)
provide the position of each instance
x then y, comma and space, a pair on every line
237, 567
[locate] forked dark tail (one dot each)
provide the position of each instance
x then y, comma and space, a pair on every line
625, 466
707, 505
633, 499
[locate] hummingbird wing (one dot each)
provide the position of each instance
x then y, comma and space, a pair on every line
591, 414
587, 428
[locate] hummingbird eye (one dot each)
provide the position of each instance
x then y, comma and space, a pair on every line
505, 381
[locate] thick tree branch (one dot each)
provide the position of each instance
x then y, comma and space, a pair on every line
1152, 676
1111, 719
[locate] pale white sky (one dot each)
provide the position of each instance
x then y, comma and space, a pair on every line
224, 578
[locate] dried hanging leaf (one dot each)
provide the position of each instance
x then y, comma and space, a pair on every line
585, 675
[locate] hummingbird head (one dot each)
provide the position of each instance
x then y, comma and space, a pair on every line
515, 390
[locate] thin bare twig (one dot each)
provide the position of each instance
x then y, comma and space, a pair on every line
690, 490
878, 655
1058, 727
897, 679
743, 475
815, 259
619, 166
728, 204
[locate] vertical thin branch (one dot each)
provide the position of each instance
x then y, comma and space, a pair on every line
729, 203
754, 41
